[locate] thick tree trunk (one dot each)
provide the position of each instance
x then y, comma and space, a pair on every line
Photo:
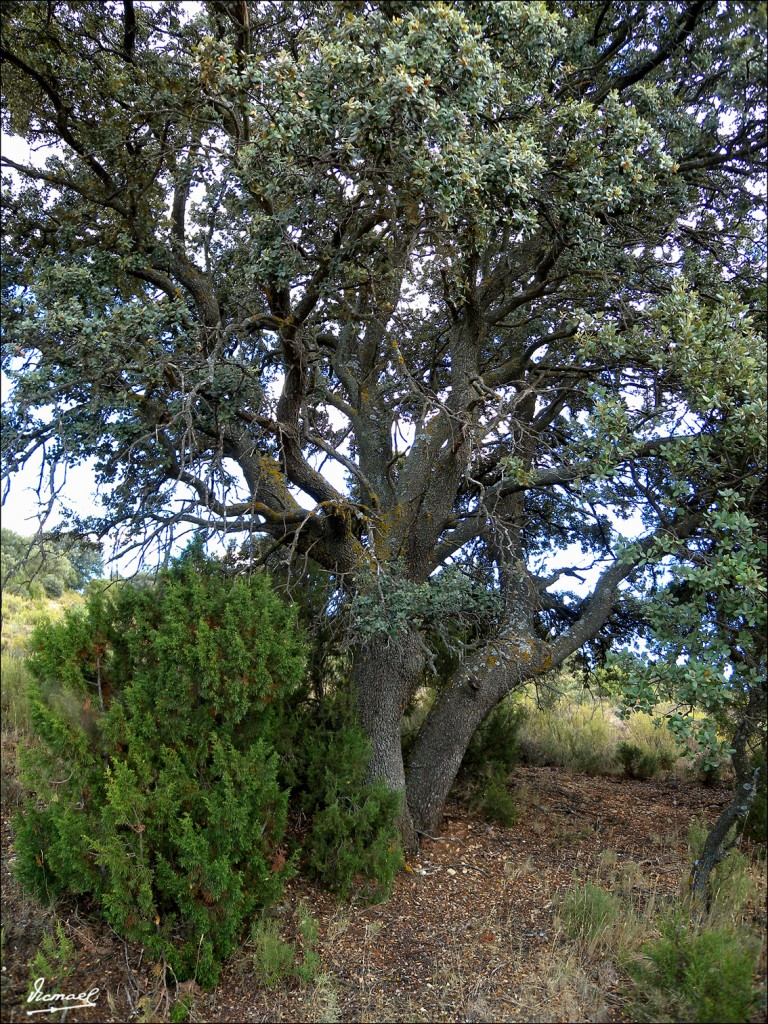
437, 754
479, 685
385, 675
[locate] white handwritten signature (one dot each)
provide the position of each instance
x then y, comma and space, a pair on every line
67, 1002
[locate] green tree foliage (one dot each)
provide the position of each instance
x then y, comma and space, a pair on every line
500, 263
705, 624
706, 628
49, 563
155, 782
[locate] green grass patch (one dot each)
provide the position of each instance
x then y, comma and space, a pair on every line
275, 960
677, 968
587, 910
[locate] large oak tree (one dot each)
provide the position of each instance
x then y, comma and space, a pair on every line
496, 265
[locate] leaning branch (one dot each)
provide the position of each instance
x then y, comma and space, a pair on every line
599, 606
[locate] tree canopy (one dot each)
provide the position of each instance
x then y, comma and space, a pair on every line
498, 266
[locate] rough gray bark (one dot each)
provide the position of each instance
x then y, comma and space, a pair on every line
384, 677
462, 706
438, 752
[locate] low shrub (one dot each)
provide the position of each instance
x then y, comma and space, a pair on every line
696, 975
154, 779
272, 958
636, 762
494, 800
55, 958
652, 737
353, 846
588, 909
181, 1010
678, 967
707, 765
275, 960
491, 756
496, 742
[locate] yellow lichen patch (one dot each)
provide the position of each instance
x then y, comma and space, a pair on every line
271, 469
546, 663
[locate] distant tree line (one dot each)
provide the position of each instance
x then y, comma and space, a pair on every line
48, 563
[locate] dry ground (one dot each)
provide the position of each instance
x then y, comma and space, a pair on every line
471, 932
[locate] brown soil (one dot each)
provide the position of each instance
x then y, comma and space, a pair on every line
470, 933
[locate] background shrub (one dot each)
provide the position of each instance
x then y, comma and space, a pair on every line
652, 737
491, 757
496, 743
570, 735
493, 798
154, 779
636, 762
352, 842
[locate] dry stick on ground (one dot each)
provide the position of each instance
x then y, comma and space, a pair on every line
441, 839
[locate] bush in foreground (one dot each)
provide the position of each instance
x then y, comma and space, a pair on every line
697, 975
154, 777
679, 967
